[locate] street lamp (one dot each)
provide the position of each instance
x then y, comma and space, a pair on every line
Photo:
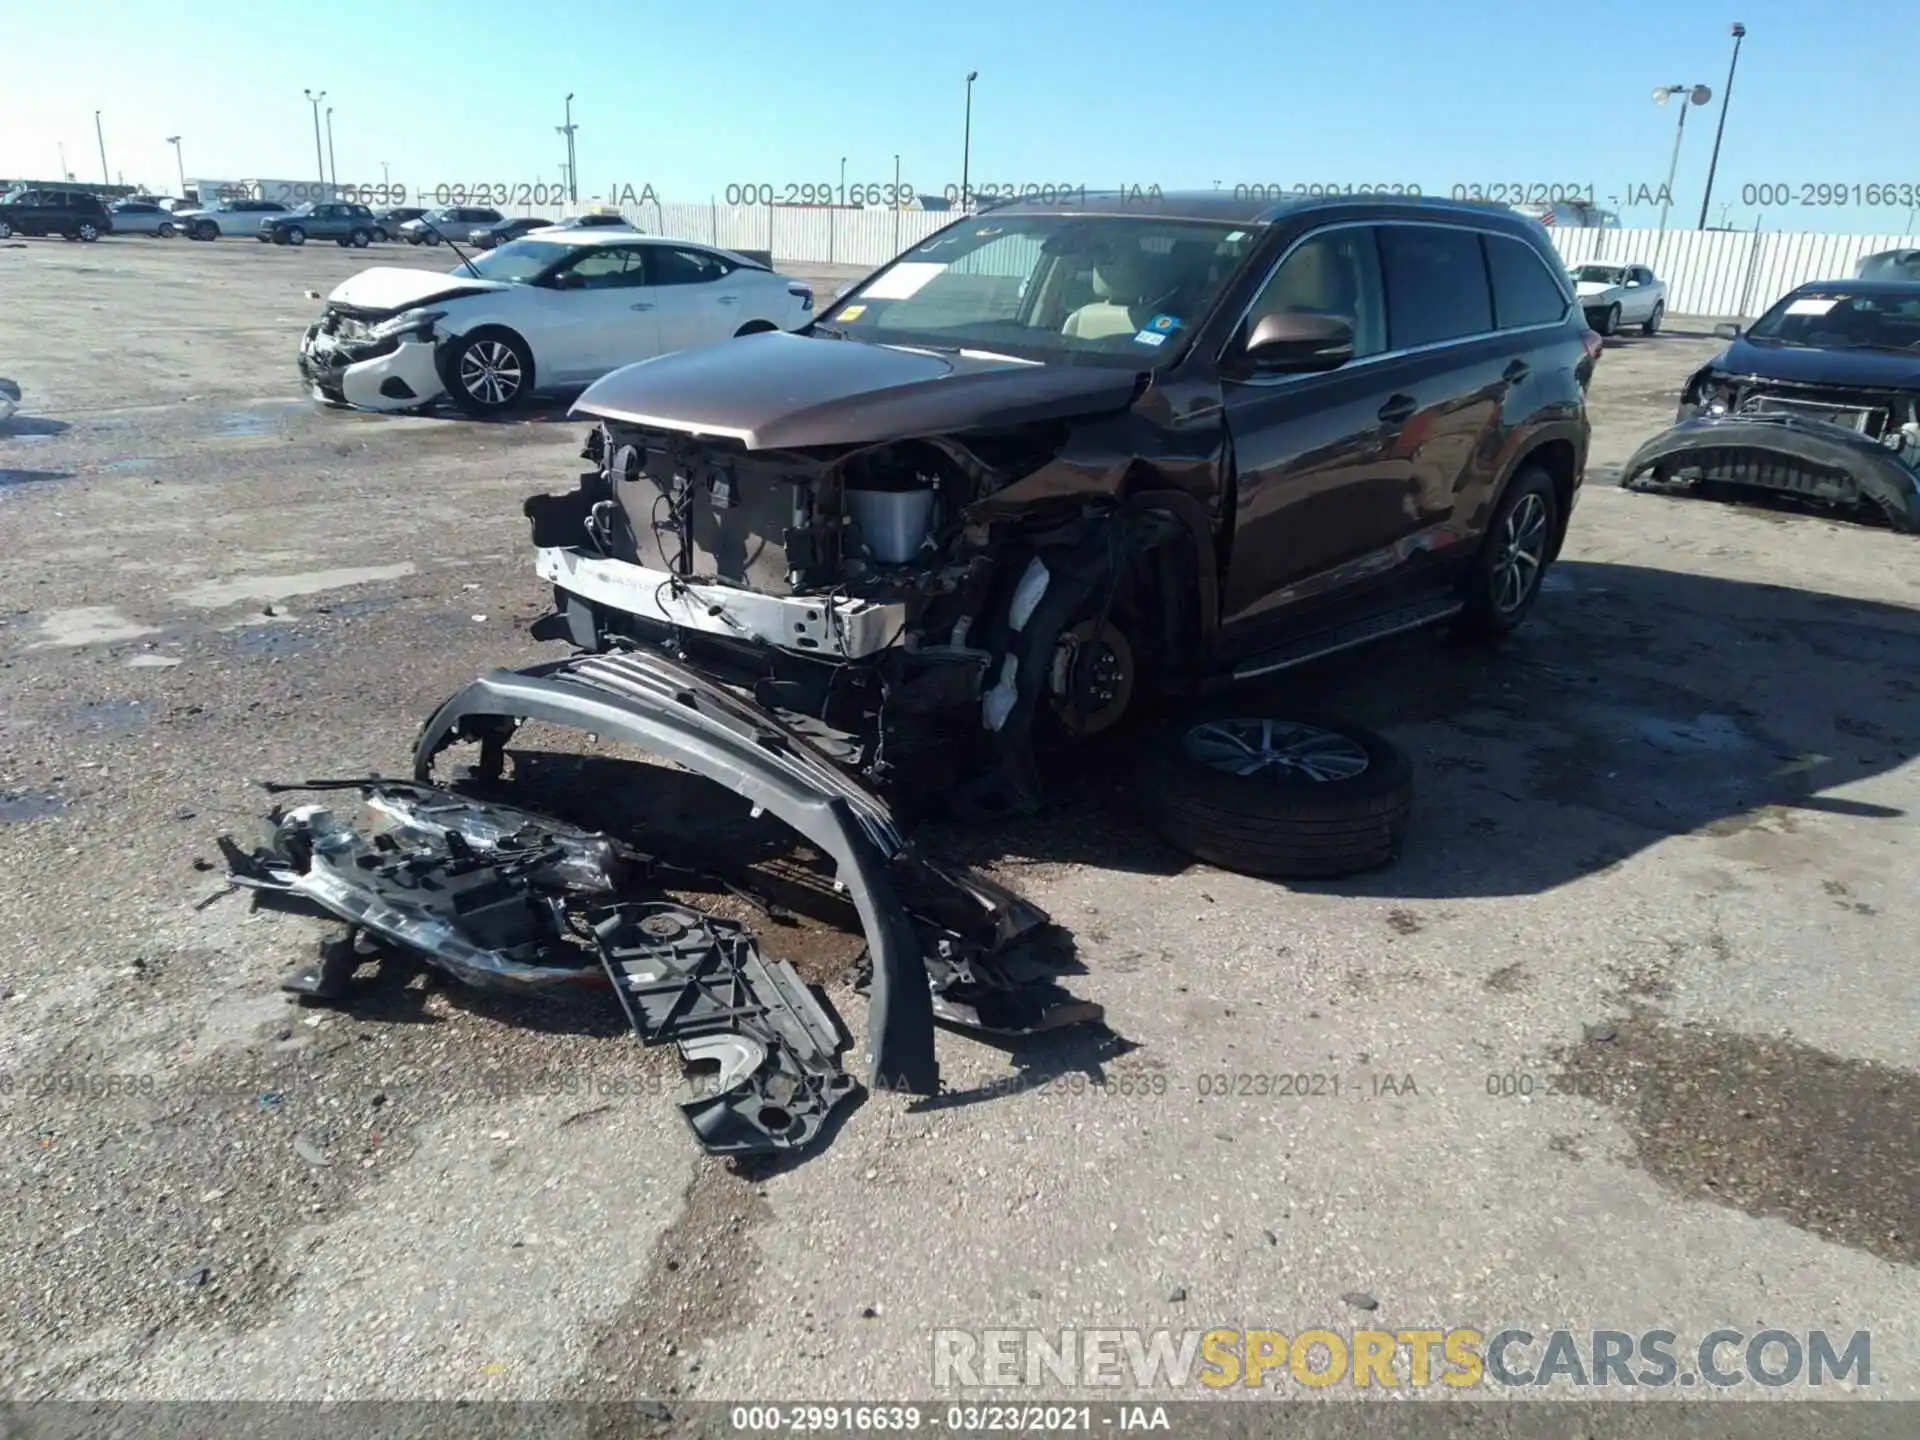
573, 178
314, 100
106, 175
174, 141
1738, 31
333, 166
966, 140
1695, 95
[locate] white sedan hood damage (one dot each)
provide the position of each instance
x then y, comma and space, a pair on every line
394, 287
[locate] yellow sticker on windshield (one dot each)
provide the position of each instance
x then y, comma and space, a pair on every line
852, 312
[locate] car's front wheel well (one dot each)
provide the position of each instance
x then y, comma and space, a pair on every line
1557, 458
755, 327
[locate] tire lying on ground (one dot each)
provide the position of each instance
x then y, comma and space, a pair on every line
1276, 797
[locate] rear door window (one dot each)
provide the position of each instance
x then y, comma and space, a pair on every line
667, 266
1437, 286
1524, 290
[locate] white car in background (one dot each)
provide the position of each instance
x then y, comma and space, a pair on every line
1616, 295
550, 311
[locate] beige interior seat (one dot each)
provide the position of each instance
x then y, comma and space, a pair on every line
1125, 285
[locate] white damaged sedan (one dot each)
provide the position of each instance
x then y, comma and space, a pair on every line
551, 312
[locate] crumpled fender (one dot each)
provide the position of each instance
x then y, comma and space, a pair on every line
668, 710
1879, 473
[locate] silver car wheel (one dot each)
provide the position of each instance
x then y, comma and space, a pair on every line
490, 372
1523, 551
1255, 747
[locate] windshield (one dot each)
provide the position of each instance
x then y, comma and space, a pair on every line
1900, 265
1836, 320
1599, 274
1117, 290
518, 260
306, 209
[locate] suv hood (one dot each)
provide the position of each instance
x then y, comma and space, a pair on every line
1873, 368
780, 391
1593, 287
393, 287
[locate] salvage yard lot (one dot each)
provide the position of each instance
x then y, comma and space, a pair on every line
1660, 875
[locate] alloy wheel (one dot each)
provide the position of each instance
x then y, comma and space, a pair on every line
490, 372
1522, 554
1283, 747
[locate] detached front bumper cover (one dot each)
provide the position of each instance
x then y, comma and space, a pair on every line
941, 942
1785, 453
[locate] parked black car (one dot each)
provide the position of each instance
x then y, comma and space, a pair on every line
386, 225
72, 214
485, 237
1058, 459
1818, 399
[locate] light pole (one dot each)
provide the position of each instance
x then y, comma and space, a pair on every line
174, 141
320, 161
385, 177
573, 177
1696, 95
65, 174
898, 204
966, 141
1738, 32
333, 166
106, 175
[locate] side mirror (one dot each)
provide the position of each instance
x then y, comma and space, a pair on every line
1727, 331
1632, 284
569, 280
1300, 344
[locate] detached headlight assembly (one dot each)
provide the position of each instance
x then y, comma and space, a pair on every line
417, 323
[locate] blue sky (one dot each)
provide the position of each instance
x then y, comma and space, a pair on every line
691, 98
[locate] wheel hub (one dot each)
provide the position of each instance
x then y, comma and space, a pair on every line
490, 372
1275, 747
1093, 674
1522, 554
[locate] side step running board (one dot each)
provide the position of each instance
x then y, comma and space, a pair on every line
1344, 637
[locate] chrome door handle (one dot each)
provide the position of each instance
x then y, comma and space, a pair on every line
643, 305
729, 299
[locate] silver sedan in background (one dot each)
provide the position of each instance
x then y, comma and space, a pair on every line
143, 217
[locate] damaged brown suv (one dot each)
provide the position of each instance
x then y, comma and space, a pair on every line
1058, 461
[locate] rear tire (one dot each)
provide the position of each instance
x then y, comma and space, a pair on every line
6, 230
88, 231
1652, 326
359, 240
1277, 798
1505, 578
166, 230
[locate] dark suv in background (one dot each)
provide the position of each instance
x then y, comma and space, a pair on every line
74, 214
336, 220
1056, 459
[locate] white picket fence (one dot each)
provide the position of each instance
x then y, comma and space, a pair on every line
1734, 273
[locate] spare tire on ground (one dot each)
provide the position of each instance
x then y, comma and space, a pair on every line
1278, 798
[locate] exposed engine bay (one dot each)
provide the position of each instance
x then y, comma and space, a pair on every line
879, 589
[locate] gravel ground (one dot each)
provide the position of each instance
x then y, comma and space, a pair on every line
1660, 864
